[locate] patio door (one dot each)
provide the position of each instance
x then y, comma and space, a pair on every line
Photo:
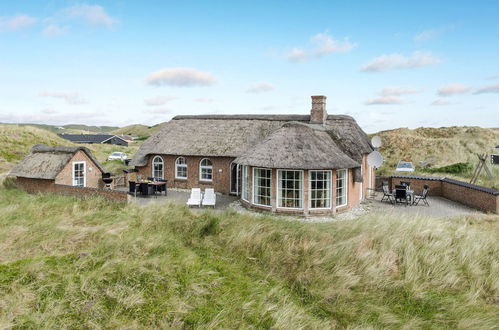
235, 179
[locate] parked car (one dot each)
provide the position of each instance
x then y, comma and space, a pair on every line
117, 155
404, 167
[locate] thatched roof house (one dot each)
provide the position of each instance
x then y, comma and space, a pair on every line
62, 165
229, 153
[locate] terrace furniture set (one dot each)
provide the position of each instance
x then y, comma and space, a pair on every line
149, 187
404, 194
197, 198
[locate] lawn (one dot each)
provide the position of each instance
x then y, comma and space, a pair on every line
75, 263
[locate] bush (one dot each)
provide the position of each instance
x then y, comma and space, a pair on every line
457, 168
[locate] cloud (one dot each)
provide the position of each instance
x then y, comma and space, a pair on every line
261, 87
432, 33
387, 100
49, 111
398, 61
91, 14
398, 90
204, 100
441, 102
180, 77
54, 30
16, 22
161, 111
453, 89
488, 89
90, 118
159, 100
322, 44
70, 97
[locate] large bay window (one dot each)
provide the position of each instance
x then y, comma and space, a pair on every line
320, 189
158, 168
245, 192
341, 187
180, 168
262, 186
206, 170
290, 190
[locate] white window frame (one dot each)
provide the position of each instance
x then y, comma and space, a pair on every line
162, 168
254, 186
177, 165
201, 167
346, 187
310, 190
279, 190
245, 183
84, 173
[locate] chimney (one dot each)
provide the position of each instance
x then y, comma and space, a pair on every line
318, 114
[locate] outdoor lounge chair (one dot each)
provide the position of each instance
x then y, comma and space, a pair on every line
423, 196
387, 195
401, 195
209, 198
196, 197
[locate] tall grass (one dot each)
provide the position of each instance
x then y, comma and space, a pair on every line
73, 263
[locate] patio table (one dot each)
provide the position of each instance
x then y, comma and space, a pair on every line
155, 184
410, 193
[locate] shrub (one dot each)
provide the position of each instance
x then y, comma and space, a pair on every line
457, 168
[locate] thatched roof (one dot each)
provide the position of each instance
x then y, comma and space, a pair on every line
44, 162
297, 146
233, 135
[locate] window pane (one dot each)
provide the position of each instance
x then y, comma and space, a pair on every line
341, 187
320, 191
262, 186
290, 189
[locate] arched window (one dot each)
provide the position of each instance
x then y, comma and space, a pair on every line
158, 168
180, 168
205, 170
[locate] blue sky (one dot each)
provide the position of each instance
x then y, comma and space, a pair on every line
388, 64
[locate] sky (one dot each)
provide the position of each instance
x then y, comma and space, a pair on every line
388, 64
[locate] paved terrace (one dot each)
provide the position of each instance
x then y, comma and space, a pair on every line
439, 206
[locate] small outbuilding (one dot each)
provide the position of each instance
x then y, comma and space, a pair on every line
46, 166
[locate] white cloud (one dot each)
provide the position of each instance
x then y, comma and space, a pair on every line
16, 22
91, 14
432, 33
398, 61
49, 111
261, 87
89, 118
180, 77
72, 98
488, 89
323, 44
387, 100
159, 100
161, 111
441, 102
54, 30
398, 90
204, 100
453, 89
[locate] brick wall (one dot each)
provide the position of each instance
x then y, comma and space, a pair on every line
478, 197
221, 173
49, 186
93, 174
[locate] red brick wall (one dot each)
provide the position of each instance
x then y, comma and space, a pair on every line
221, 172
36, 185
418, 184
93, 174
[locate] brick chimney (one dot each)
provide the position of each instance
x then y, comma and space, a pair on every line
318, 114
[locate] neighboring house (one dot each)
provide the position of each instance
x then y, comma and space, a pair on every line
95, 138
46, 166
306, 164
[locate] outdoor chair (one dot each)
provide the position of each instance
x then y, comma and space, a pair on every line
132, 188
401, 195
145, 189
423, 196
405, 183
209, 198
196, 197
387, 195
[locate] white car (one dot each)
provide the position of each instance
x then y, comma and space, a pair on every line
117, 155
404, 167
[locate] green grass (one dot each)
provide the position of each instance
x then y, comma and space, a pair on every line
75, 263
141, 131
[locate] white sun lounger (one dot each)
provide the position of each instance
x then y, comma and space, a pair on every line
196, 197
209, 198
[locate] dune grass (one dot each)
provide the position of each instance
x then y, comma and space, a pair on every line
75, 263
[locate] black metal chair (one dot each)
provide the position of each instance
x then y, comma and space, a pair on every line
145, 189
405, 183
423, 196
132, 188
387, 195
401, 195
